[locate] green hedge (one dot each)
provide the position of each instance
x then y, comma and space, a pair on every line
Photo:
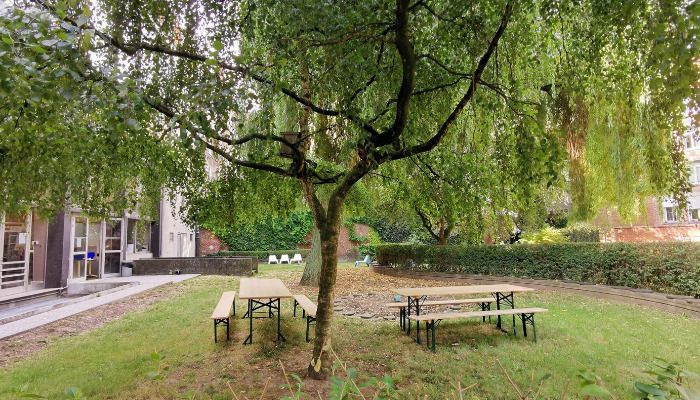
262, 254
268, 234
663, 267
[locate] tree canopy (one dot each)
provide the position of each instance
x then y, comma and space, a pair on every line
133, 94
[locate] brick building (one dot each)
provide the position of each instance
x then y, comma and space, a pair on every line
662, 219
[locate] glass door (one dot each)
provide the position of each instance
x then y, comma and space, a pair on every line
80, 247
113, 246
94, 229
14, 249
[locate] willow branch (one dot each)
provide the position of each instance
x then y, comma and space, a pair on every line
481, 66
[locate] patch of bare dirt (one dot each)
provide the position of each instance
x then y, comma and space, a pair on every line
20, 346
361, 293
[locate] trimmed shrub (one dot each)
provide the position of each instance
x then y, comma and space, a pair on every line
262, 254
581, 233
663, 267
544, 235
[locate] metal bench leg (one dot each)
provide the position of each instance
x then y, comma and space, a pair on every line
308, 323
427, 334
534, 330
417, 331
430, 334
529, 318
402, 318
295, 308
227, 325
512, 303
215, 339
408, 311
234, 307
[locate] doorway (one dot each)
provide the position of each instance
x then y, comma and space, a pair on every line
14, 250
86, 248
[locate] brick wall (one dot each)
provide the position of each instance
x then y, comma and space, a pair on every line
654, 234
347, 250
209, 243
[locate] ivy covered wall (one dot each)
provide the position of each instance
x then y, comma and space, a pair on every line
268, 234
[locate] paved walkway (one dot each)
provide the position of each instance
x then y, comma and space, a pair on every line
685, 305
144, 282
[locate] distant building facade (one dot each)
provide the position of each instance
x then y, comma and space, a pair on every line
37, 253
662, 220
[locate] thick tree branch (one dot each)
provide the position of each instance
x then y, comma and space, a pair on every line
481, 66
166, 111
426, 223
408, 77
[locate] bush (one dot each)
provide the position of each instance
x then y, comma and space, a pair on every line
581, 233
262, 254
663, 267
370, 247
269, 234
544, 235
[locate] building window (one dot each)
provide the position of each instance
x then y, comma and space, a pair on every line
670, 214
690, 142
694, 214
138, 236
695, 174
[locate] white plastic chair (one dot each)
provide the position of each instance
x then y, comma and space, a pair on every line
273, 259
297, 258
284, 258
367, 261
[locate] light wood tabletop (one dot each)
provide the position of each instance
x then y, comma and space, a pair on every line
459, 290
255, 288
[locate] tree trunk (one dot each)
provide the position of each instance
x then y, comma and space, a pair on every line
321, 363
443, 238
312, 269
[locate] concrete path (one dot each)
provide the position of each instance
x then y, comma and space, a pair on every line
144, 282
685, 305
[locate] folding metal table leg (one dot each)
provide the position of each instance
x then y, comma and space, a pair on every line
279, 321
249, 339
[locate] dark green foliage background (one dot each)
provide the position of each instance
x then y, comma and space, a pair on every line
582, 234
268, 234
663, 267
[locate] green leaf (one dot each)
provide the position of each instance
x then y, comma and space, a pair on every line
650, 390
218, 46
593, 390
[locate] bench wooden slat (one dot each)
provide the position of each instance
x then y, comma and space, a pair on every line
306, 304
472, 314
223, 308
444, 302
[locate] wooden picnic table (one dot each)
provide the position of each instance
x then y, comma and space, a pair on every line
263, 293
501, 292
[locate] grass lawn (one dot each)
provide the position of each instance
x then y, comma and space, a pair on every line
615, 341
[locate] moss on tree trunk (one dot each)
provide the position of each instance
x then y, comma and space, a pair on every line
312, 269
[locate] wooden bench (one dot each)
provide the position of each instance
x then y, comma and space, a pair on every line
222, 312
527, 315
484, 302
308, 310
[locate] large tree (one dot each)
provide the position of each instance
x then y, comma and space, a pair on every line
377, 81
